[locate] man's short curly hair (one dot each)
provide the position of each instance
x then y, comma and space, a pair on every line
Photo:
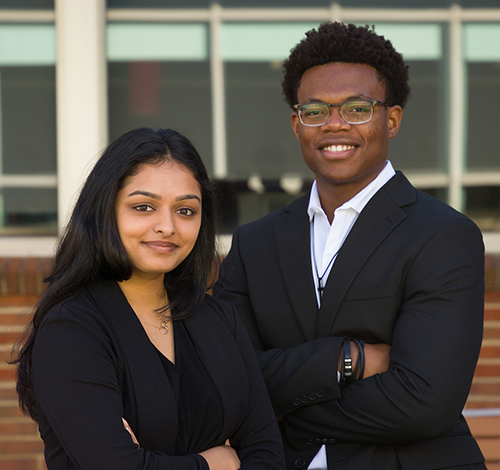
337, 42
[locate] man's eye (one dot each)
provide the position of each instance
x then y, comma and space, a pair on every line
357, 108
314, 111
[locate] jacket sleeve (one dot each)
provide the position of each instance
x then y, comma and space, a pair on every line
257, 439
436, 343
293, 374
75, 374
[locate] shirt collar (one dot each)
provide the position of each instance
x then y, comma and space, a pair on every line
359, 201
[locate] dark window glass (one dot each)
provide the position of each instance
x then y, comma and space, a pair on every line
482, 117
28, 120
259, 135
421, 142
162, 94
483, 206
27, 4
28, 211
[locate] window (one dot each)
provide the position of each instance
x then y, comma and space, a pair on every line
28, 195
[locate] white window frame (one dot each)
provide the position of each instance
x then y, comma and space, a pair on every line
81, 93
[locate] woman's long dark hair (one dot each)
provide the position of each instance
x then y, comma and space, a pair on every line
90, 248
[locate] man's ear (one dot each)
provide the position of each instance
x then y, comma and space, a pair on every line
295, 124
394, 117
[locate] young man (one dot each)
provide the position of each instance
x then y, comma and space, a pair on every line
363, 264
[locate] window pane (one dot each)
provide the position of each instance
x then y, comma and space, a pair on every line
483, 206
421, 142
483, 77
28, 154
28, 211
28, 120
27, 4
259, 134
159, 76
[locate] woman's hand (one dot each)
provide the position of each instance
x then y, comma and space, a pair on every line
129, 429
221, 458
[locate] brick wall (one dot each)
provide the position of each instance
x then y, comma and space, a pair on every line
21, 282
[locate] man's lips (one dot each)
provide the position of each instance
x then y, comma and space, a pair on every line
338, 148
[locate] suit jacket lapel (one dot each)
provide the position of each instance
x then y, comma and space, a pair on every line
220, 356
149, 392
292, 237
380, 216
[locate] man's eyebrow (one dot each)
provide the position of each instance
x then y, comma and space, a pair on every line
349, 98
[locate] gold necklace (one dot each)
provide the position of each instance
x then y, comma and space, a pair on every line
163, 328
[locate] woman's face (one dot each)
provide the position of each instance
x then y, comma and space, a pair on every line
158, 213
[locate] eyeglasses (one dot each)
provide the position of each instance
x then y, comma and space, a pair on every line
352, 112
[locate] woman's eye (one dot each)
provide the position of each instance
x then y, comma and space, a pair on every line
143, 208
186, 211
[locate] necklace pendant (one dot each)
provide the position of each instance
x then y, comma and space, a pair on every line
163, 328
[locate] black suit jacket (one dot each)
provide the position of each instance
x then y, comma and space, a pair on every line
93, 364
410, 274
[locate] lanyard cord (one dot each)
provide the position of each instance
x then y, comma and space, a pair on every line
321, 287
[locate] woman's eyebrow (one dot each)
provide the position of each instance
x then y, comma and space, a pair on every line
188, 196
158, 197
145, 193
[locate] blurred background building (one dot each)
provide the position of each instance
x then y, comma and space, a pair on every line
75, 74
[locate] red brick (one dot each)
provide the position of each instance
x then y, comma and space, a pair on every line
15, 319
24, 447
8, 393
8, 374
485, 389
7, 337
12, 274
11, 412
21, 464
19, 428
491, 333
17, 300
487, 370
491, 314
32, 276
489, 351
492, 296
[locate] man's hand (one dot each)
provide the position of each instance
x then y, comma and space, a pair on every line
221, 458
376, 358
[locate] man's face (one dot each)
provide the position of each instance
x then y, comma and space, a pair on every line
338, 153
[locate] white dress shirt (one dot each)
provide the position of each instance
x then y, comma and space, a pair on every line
326, 241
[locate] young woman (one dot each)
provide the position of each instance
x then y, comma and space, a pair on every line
127, 364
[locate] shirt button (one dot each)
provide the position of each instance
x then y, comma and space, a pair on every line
300, 463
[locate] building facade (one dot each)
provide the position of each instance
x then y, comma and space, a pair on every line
76, 74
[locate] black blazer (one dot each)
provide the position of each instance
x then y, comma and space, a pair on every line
93, 364
410, 274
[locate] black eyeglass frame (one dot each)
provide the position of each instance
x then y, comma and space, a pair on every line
298, 109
